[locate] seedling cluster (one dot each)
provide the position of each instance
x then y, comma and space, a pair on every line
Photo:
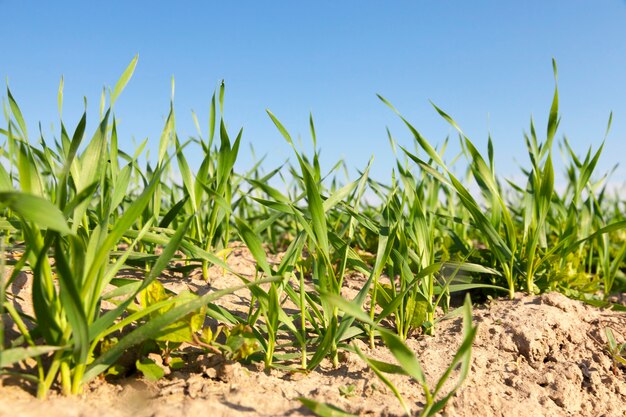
77, 211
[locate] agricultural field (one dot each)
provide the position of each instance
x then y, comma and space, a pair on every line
151, 288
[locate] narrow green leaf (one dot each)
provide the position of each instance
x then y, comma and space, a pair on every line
60, 98
322, 409
405, 356
316, 207
11, 356
5, 179
280, 127
554, 108
72, 303
36, 210
211, 122
17, 113
254, 245
121, 83
222, 89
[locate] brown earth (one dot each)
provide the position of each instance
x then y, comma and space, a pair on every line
533, 356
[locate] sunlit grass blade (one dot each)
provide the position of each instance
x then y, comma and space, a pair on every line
322, 409
121, 83
14, 355
36, 210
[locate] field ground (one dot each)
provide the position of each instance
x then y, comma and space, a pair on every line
533, 356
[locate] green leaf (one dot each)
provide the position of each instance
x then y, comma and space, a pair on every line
17, 113
5, 180
417, 311
92, 161
322, 409
30, 179
187, 177
405, 356
166, 134
9, 357
325, 345
388, 368
72, 302
152, 294
554, 109
60, 98
150, 370
154, 326
121, 83
280, 127
123, 224
170, 216
349, 307
212, 121
36, 210
120, 189
102, 324
254, 245
316, 207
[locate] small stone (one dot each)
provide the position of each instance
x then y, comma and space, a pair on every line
210, 373
229, 370
297, 376
158, 359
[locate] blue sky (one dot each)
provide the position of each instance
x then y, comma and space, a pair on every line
487, 63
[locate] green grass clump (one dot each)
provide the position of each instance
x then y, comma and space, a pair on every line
80, 210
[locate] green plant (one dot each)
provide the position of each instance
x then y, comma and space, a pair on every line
208, 196
408, 364
347, 391
72, 215
616, 350
530, 237
79, 212
240, 341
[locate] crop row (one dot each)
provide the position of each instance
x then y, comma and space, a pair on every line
78, 211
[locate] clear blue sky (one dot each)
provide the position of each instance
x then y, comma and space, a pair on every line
487, 63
